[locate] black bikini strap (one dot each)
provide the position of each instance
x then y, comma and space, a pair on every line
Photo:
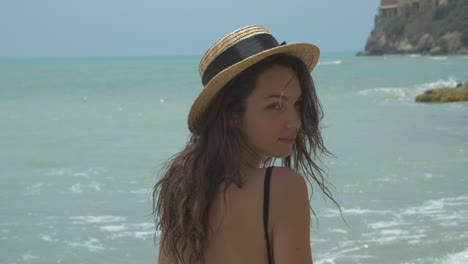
266, 204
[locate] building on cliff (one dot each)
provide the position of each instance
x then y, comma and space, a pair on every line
419, 27
391, 8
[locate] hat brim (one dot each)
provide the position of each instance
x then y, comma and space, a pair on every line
307, 52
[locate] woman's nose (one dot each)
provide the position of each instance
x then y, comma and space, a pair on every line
294, 119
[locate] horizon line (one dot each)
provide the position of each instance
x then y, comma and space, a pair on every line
130, 56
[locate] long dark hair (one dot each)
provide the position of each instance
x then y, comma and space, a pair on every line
190, 179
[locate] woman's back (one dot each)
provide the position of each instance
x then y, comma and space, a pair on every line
237, 222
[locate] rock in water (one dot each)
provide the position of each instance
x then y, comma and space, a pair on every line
444, 95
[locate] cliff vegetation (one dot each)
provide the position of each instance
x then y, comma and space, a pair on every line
421, 27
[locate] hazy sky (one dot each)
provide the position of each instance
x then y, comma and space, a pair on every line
90, 28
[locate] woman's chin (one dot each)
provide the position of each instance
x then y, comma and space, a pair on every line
282, 155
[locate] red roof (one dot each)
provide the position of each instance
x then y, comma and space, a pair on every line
388, 2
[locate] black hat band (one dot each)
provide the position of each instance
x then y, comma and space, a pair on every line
238, 52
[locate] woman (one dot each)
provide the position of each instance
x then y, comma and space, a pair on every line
216, 201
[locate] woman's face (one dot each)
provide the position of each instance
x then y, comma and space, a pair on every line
272, 114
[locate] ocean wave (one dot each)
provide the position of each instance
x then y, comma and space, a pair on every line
75, 188
28, 257
389, 236
78, 188
334, 62
69, 172
438, 58
343, 254
427, 208
35, 189
92, 244
338, 230
353, 211
113, 228
457, 258
135, 234
95, 185
437, 208
139, 231
144, 226
414, 223
451, 82
48, 238
142, 191
406, 93
385, 224
96, 219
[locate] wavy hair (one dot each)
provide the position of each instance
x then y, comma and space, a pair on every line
190, 179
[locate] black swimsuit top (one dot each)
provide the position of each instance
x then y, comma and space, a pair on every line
266, 204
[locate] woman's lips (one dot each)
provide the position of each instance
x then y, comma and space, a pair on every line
287, 140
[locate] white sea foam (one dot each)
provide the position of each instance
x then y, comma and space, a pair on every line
96, 219
406, 93
414, 55
28, 257
144, 226
392, 178
341, 254
438, 58
427, 208
334, 62
353, 211
386, 224
450, 82
327, 260
395, 232
95, 185
142, 191
389, 236
346, 243
391, 93
136, 234
428, 175
359, 211
435, 207
75, 188
34, 189
337, 230
445, 212
92, 244
48, 238
86, 173
457, 258
58, 172
113, 228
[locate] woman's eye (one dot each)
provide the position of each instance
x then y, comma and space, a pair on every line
275, 106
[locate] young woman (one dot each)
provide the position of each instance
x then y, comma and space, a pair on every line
219, 200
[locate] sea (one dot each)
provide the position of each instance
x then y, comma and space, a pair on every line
82, 141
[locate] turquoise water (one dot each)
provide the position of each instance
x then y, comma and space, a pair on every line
82, 139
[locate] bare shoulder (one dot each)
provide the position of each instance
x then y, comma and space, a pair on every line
290, 217
288, 181
288, 191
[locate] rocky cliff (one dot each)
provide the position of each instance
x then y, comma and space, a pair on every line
431, 30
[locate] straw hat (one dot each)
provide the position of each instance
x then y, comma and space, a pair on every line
234, 53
